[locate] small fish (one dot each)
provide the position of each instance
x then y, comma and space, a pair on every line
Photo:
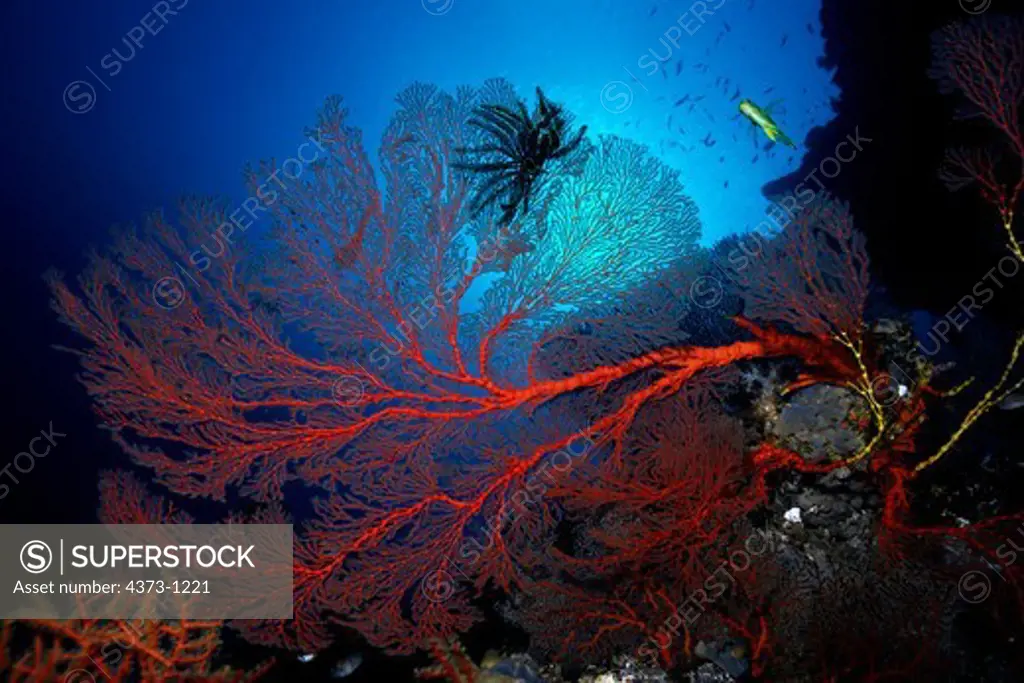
654, 10
679, 66
698, 98
1012, 402
726, 186
756, 157
785, 39
727, 27
307, 658
768, 90
763, 120
721, 159
681, 101
682, 131
708, 141
664, 74
347, 666
810, 29
735, 95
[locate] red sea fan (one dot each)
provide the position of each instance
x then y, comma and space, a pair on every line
656, 521
982, 60
362, 356
118, 650
399, 405
813, 276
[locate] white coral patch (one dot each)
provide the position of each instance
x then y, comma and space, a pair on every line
792, 516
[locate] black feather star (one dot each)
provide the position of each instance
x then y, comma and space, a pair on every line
521, 144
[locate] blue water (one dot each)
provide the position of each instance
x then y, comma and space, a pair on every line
219, 84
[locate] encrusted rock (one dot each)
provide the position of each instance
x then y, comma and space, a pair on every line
625, 669
815, 423
708, 673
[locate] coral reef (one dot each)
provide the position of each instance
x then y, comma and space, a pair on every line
462, 435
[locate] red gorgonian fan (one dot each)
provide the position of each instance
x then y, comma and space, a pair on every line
813, 276
119, 650
363, 354
982, 60
406, 380
655, 522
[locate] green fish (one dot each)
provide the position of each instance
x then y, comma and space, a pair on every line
763, 120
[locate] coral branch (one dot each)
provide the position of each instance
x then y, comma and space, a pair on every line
983, 60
